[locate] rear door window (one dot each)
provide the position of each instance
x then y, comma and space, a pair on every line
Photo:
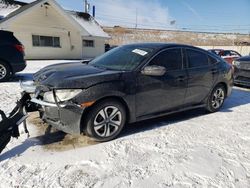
233, 53
226, 53
196, 58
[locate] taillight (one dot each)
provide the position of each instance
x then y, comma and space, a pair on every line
19, 47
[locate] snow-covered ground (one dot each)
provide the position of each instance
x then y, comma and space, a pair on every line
189, 149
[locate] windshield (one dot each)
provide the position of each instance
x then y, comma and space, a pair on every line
123, 58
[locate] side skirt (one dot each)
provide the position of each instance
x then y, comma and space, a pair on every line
141, 118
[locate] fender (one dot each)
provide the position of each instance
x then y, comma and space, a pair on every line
110, 89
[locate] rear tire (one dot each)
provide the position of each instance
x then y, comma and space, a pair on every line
5, 71
105, 120
216, 99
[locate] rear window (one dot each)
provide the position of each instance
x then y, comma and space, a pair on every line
8, 37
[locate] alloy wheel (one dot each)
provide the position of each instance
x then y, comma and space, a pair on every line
107, 121
3, 71
218, 98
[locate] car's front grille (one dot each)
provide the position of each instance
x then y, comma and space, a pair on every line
244, 79
245, 66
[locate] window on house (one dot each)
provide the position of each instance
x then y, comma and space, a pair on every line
46, 41
88, 43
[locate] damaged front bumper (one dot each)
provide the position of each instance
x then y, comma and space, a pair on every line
65, 116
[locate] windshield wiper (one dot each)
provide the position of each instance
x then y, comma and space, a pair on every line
99, 67
105, 68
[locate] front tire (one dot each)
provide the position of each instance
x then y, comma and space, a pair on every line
105, 120
4, 72
216, 98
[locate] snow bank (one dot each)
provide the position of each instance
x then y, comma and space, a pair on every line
189, 149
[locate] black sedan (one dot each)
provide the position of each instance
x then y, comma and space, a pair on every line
242, 71
129, 84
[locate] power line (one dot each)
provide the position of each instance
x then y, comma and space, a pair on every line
130, 19
221, 27
185, 28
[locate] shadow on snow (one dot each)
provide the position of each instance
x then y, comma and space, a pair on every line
239, 97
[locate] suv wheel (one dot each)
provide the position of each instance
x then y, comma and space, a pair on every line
4, 72
105, 120
216, 98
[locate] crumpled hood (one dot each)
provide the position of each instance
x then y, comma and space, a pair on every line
73, 76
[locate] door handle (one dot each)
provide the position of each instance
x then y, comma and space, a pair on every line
181, 78
214, 71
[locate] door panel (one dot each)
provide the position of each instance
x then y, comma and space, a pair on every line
199, 84
157, 94
201, 76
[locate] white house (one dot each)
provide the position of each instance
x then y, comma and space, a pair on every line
49, 32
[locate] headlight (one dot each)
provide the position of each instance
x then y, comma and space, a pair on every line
48, 97
28, 86
236, 63
61, 95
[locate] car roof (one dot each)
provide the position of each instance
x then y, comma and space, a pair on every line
222, 50
158, 45
216, 50
5, 32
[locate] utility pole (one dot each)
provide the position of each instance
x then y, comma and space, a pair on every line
136, 19
86, 5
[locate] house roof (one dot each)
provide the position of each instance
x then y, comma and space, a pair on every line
6, 9
20, 3
19, 9
90, 25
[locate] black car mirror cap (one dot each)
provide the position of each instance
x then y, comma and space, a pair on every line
154, 70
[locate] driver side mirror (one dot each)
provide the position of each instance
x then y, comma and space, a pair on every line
154, 70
